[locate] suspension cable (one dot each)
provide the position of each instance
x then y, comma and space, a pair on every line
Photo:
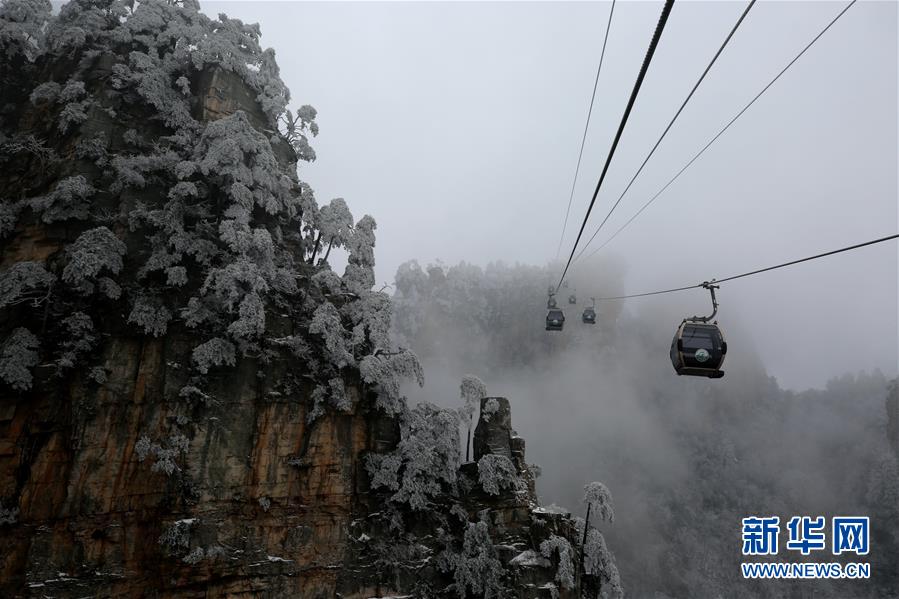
586, 126
754, 272
666, 10
719, 134
668, 128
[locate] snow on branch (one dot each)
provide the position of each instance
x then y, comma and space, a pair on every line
215, 352
69, 199
22, 28
387, 372
599, 500
424, 462
497, 473
326, 323
472, 390
565, 569
476, 569
25, 282
93, 252
17, 358
598, 561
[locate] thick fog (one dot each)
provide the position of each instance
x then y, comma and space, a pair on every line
457, 127
685, 459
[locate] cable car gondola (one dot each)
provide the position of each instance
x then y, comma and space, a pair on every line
555, 320
698, 347
572, 299
589, 315
551, 298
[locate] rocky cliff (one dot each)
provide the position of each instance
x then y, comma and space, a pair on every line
192, 403
260, 504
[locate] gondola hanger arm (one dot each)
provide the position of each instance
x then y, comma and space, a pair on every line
711, 286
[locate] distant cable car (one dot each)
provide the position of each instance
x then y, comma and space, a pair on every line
572, 299
698, 347
551, 299
589, 315
555, 320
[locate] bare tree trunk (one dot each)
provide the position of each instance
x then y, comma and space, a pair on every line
315, 248
328, 253
586, 524
468, 440
580, 552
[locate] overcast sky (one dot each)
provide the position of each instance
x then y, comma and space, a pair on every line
457, 126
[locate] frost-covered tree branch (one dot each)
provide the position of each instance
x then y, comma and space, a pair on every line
424, 463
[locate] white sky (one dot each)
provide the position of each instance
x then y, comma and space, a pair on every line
457, 126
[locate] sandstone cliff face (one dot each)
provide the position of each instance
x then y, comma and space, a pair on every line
264, 496
265, 505
259, 500
120, 485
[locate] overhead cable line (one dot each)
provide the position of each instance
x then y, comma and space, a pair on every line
753, 272
673, 119
666, 10
586, 126
719, 134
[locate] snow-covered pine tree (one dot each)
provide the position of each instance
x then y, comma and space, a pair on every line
424, 464
598, 561
556, 545
497, 473
476, 569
